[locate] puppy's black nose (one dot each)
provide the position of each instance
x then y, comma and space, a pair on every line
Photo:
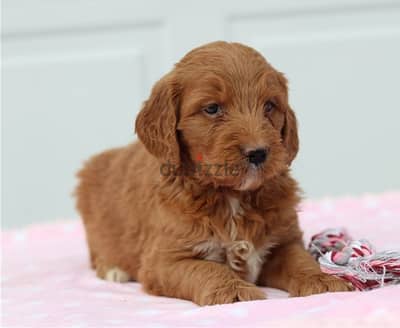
257, 156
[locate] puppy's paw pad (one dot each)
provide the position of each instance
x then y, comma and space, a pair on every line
116, 275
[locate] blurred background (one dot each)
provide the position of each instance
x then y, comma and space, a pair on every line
75, 72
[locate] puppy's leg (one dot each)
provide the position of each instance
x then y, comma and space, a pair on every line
92, 256
291, 268
203, 282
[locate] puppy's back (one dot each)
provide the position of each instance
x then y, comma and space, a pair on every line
108, 199
104, 178
92, 179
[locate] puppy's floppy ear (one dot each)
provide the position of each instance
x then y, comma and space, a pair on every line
157, 121
290, 138
289, 134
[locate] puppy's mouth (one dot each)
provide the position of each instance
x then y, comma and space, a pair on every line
251, 179
237, 173
243, 176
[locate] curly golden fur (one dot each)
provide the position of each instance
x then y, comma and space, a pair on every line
198, 234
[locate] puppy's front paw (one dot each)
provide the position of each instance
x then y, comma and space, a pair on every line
115, 274
318, 283
234, 291
238, 254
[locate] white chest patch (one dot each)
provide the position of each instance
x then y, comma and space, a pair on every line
236, 213
210, 250
240, 255
236, 209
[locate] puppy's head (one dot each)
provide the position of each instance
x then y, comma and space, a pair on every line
225, 110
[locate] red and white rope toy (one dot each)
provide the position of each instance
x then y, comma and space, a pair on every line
355, 260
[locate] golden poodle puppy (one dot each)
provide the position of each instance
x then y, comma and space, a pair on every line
203, 207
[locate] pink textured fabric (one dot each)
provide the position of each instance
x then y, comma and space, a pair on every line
46, 281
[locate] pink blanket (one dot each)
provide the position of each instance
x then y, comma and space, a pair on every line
46, 281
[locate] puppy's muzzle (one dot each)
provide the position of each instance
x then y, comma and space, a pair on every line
257, 156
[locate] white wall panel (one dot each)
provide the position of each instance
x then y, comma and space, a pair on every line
67, 95
76, 71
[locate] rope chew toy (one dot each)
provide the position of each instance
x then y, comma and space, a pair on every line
355, 260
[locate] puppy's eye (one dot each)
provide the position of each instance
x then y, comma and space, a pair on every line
269, 106
212, 109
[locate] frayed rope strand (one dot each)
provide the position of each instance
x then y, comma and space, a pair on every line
355, 261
